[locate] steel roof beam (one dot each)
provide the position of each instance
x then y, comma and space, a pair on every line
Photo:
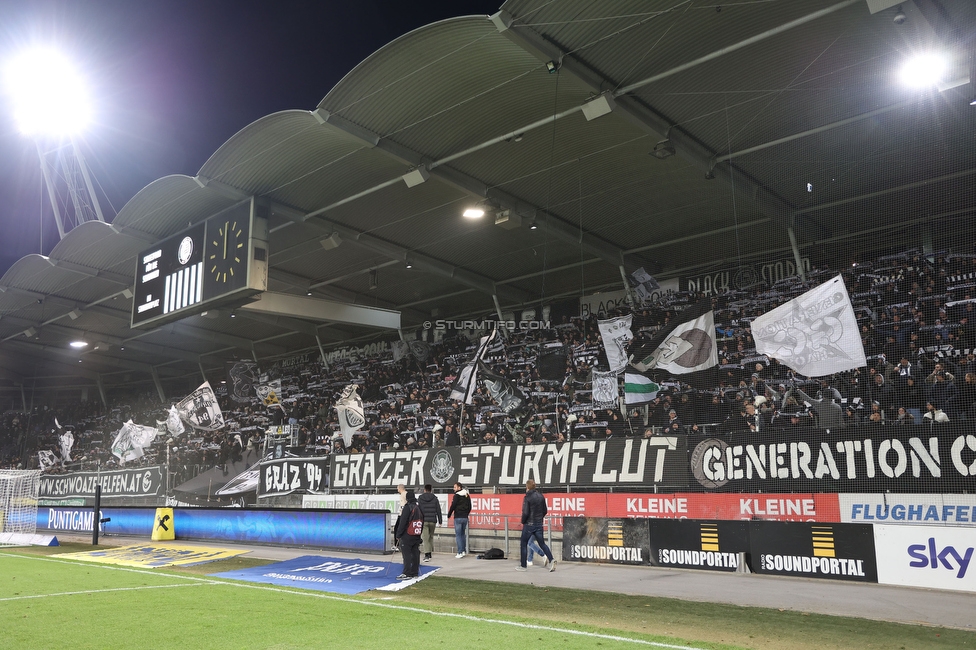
397, 252
468, 184
647, 118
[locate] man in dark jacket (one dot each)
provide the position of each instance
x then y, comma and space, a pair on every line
460, 508
534, 512
431, 508
409, 526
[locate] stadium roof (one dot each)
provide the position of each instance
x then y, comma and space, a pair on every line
785, 118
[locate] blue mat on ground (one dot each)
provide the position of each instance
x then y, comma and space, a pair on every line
338, 575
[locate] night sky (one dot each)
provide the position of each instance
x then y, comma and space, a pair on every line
175, 79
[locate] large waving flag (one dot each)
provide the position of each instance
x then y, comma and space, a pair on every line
686, 345
131, 440
349, 407
815, 334
466, 381
200, 409
616, 335
505, 393
638, 388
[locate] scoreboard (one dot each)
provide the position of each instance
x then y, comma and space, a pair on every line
219, 260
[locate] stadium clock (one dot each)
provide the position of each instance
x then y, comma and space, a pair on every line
220, 260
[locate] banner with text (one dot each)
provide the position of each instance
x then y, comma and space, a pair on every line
936, 557
608, 541
288, 475
141, 482
835, 551
660, 460
915, 509
691, 544
896, 459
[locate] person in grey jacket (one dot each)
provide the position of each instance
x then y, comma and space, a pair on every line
534, 512
431, 508
829, 413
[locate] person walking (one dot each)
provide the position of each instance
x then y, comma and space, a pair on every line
431, 508
409, 527
534, 512
460, 508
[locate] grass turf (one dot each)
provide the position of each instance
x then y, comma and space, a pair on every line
105, 606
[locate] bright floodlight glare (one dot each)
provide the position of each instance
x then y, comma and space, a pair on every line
473, 213
78, 344
49, 97
923, 70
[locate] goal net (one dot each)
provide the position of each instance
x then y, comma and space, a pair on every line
18, 500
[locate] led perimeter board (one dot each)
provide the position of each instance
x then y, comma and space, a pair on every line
216, 261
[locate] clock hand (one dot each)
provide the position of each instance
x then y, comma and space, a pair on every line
226, 227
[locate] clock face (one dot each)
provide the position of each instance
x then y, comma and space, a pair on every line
225, 259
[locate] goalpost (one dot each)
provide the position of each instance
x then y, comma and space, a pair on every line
19, 490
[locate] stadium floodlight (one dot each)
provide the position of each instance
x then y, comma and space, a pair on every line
473, 213
78, 345
48, 93
923, 70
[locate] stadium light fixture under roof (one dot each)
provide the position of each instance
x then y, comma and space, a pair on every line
48, 93
923, 70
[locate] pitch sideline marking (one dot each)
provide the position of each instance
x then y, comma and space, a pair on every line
373, 603
99, 591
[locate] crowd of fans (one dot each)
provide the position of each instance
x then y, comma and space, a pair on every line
916, 319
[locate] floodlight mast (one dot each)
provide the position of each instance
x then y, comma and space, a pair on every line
69, 186
39, 80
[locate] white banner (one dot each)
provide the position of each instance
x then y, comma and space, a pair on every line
616, 334
936, 557
815, 334
912, 509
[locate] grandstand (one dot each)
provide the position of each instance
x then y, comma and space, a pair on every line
742, 155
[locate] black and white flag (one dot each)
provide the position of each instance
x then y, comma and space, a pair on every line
400, 350
616, 335
466, 382
46, 459
815, 334
349, 408
200, 409
66, 441
686, 345
605, 391
420, 350
644, 285
242, 375
505, 393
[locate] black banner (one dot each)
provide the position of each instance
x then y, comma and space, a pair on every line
698, 544
287, 475
608, 541
835, 551
138, 482
926, 459
619, 462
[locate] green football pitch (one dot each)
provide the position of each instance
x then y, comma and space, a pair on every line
51, 602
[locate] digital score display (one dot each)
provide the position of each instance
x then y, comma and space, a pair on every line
217, 259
